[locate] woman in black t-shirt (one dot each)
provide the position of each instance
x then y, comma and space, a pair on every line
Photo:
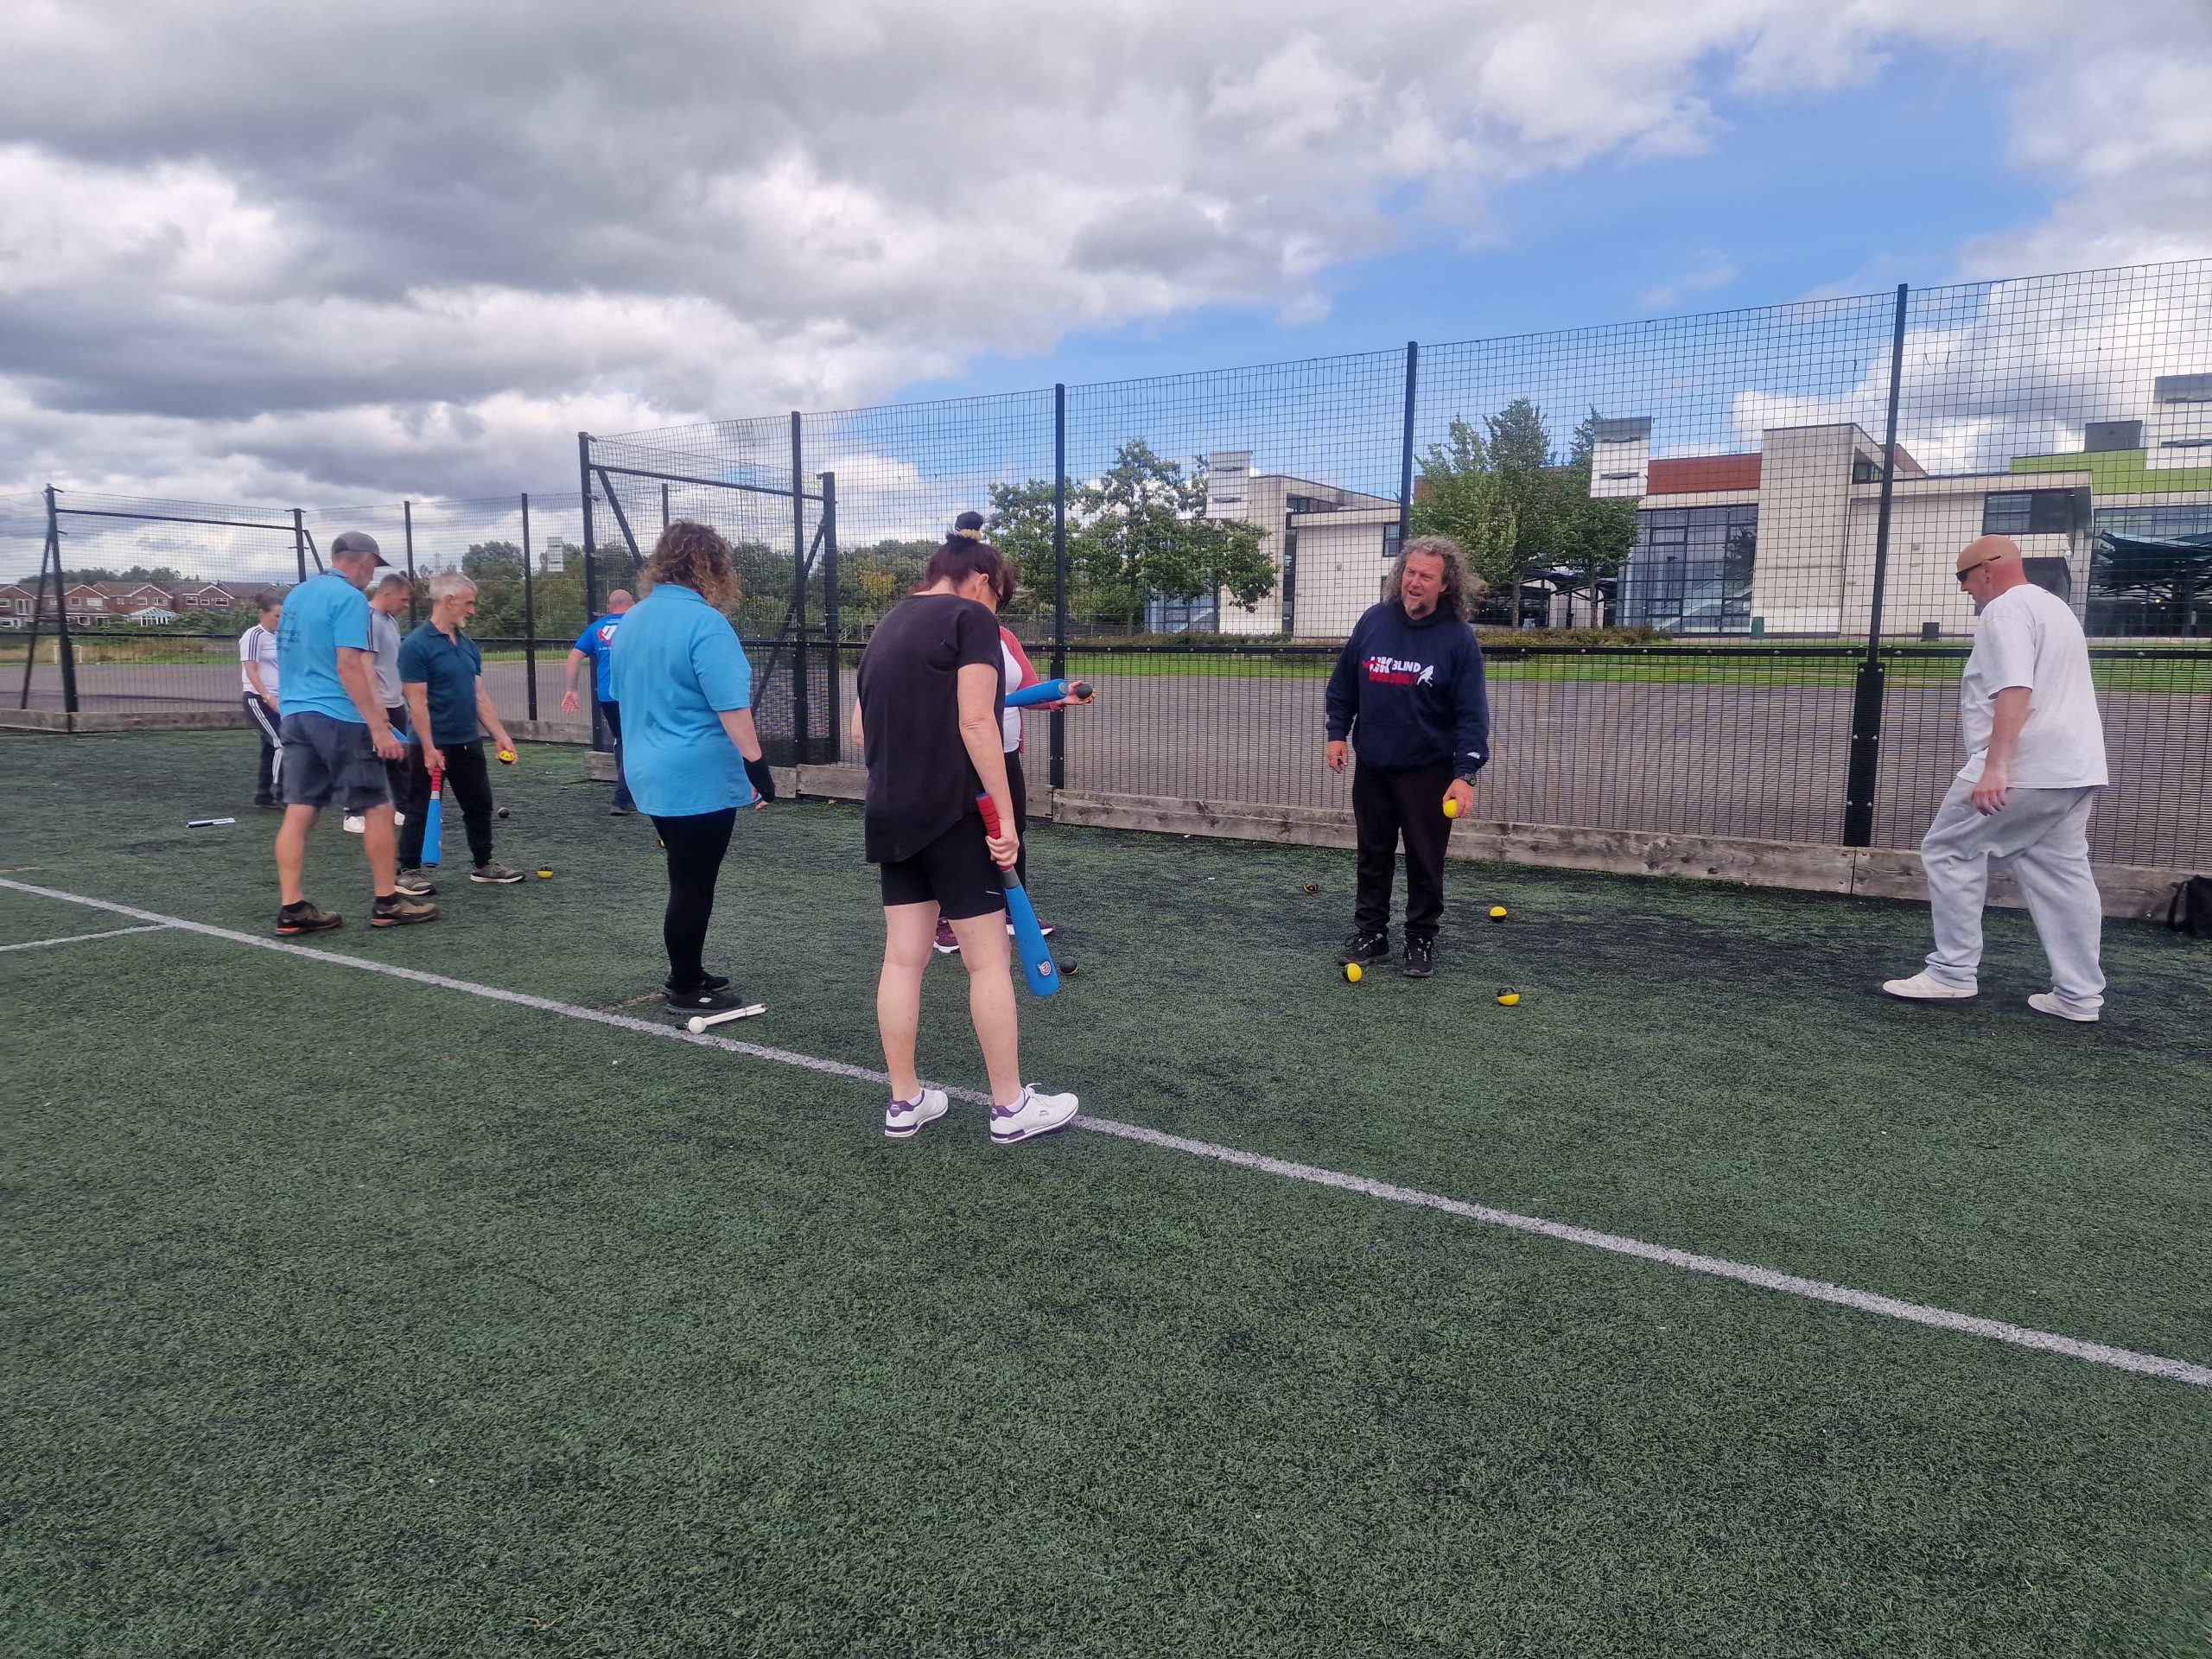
928, 722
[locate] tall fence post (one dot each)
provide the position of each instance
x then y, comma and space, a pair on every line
407, 535
63, 648
1862, 775
300, 541
529, 614
1406, 444
1059, 772
832, 617
591, 573
38, 603
802, 726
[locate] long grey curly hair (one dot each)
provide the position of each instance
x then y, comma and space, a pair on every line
1462, 587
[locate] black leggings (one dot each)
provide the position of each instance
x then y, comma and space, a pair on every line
1017, 785
695, 845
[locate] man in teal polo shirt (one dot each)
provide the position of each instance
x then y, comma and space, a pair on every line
336, 736
596, 645
442, 675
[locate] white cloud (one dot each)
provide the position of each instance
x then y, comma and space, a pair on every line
1718, 273
276, 252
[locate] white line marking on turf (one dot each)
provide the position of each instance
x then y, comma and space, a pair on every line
1789, 1284
80, 938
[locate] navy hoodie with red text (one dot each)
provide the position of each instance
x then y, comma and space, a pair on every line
1410, 693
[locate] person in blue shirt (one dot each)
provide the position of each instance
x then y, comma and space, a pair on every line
336, 736
694, 757
449, 709
596, 645
1408, 691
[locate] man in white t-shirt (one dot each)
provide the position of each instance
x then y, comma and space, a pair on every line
257, 694
2035, 762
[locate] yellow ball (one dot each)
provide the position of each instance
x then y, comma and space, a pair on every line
1508, 998
1451, 809
545, 875
1352, 973
1498, 912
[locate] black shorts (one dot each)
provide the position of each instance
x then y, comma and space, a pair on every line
332, 763
955, 870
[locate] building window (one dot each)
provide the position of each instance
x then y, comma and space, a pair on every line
2032, 512
1690, 569
1393, 538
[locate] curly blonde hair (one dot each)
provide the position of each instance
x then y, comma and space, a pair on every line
1462, 587
695, 556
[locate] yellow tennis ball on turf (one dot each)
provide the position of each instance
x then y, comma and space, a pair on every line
1352, 973
1498, 912
1508, 998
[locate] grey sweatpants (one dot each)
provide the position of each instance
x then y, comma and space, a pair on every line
2043, 836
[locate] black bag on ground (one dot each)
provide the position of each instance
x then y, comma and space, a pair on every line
2190, 912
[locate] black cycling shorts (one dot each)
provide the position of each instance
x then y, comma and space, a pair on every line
955, 870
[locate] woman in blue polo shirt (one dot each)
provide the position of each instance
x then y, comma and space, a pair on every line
690, 751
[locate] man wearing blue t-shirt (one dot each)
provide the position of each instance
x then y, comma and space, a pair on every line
336, 736
596, 645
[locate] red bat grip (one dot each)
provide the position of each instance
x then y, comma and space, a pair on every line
990, 816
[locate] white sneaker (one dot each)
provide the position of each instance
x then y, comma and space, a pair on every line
2048, 1003
355, 823
1926, 987
1032, 1115
904, 1117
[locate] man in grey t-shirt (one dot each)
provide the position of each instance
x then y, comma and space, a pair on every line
387, 601
2035, 762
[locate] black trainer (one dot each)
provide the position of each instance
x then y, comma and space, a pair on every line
1360, 946
304, 917
707, 981
705, 1000
1420, 959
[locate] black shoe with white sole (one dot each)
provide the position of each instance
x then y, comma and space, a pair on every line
706, 999
495, 873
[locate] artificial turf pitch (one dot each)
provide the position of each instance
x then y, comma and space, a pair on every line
355, 1316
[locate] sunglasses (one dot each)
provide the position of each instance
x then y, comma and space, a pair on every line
1971, 569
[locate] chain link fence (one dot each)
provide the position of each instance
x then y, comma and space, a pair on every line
1716, 554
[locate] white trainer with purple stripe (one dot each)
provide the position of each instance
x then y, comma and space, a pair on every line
1032, 1115
902, 1118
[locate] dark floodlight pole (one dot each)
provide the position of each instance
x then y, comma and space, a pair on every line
1059, 723
406, 522
832, 615
64, 650
801, 725
1865, 771
1405, 446
529, 614
591, 575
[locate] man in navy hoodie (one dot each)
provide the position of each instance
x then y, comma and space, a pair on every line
1408, 689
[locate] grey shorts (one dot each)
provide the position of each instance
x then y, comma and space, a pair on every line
331, 763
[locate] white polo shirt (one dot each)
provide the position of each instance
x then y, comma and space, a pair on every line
2029, 637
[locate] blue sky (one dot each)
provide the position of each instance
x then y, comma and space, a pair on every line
1844, 192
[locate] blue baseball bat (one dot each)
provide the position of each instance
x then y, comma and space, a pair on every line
433, 821
1046, 691
1037, 964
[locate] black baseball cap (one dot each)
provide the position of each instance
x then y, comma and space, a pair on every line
358, 540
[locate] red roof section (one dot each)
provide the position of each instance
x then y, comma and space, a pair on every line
1690, 475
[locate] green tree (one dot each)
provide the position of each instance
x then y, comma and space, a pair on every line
1020, 525
1143, 533
1501, 495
